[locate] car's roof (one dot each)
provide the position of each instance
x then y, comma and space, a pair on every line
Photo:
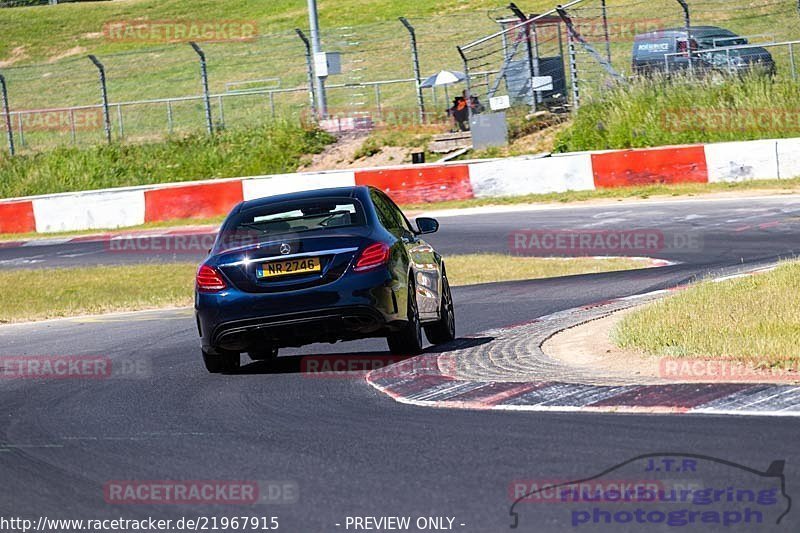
693, 29
333, 192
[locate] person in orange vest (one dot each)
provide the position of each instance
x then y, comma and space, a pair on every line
459, 113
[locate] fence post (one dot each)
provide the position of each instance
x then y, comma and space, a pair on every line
120, 123
573, 72
169, 116
415, 58
7, 115
310, 68
378, 101
605, 30
204, 79
72, 133
21, 132
575, 36
688, 25
104, 94
316, 47
533, 63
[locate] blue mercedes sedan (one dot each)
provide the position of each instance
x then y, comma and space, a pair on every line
320, 266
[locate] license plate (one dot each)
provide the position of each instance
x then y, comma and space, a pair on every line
288, 267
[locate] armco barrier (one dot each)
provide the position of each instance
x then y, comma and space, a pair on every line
684, 164
200, 200
129, 206
17, 217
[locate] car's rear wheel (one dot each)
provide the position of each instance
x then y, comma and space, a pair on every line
408, 341
266, 352
444, 329
224, 362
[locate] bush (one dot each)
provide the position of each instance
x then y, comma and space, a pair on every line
270, 148
654, 112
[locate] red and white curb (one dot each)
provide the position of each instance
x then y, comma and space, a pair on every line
424, 381
546, 173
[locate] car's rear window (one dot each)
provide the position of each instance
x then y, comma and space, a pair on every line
716, 41
260, 223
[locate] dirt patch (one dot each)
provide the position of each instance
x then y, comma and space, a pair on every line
74, 51
342, 155
589, 346
17, 54
538, 141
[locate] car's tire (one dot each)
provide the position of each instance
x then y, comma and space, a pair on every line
266, 352
224, 362
408, 341
444, 329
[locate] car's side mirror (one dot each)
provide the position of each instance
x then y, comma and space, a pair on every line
426, 225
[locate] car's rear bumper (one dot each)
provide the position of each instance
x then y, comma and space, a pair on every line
354, 306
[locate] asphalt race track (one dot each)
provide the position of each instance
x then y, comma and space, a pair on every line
350, 450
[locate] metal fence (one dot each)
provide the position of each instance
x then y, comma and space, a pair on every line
159, 90
554, 59
574, 51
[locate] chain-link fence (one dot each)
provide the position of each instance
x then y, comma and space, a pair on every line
157, 91
553, 59
572, 52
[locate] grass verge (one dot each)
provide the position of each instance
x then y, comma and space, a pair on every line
39, 294
51, 293
755, 319
658, 112
269, 148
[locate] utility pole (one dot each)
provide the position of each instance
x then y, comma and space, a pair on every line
316, 47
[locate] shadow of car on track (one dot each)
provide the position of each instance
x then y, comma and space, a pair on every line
356, 364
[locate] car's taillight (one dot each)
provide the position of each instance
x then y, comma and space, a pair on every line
209, 279
373, 256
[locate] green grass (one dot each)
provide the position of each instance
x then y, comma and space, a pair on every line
45, 50
471, 269
661, 112
39, 294
755, 319
274, 147
374, 44
51, 293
